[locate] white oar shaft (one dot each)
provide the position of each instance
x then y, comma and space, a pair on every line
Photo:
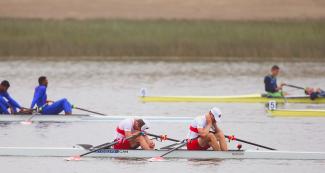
176, 148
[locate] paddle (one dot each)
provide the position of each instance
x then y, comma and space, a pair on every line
163, 137
160, 158
28, 121
86, 110
294, 86
99, 147
247, 142
284, 97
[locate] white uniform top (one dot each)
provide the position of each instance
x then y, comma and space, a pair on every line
198, 122
126, 126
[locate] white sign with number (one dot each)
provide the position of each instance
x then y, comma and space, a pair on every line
272, 105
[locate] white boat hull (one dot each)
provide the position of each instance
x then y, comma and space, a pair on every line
84, 118
111, 153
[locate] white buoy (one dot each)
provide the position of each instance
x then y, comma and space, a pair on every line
143, 92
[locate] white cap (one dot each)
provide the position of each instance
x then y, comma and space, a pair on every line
216, 113
143, 92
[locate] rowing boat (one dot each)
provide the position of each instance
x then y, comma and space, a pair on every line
112, 153
85, 118
254, 98
296, 113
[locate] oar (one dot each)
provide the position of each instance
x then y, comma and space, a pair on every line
294, 86
160, 158
86, 110
163, 137
102, 146
284, 97
169, 146
247, 142
28, 121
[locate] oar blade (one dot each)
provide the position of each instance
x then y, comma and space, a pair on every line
26, 122
73, 158
156, 159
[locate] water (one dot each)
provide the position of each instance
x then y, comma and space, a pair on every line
112, 87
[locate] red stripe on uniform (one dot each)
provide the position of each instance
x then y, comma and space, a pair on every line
193, 129
120, 131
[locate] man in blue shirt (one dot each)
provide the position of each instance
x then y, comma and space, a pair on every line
271, 87
40, 99
6, 102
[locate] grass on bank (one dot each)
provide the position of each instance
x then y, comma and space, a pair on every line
182, 38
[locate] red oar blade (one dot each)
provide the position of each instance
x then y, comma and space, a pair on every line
156, 159
26, 122
73, 158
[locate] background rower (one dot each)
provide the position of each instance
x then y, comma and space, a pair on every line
7, 102
271, 87
40, 99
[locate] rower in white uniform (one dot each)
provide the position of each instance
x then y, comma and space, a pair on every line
205, 133
130, 127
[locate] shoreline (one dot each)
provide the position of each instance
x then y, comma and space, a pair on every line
165, 59
197, 40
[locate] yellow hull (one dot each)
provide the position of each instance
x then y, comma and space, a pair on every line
256, 98
297, 113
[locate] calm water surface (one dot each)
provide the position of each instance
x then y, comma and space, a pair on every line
113, 87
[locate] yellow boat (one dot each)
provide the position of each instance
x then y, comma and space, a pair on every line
296, 113
254, 98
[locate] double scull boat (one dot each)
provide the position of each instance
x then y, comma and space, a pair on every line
112, 153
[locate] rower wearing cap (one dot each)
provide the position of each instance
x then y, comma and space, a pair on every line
200, 136
314, 93
271, 86
129, 127
40, 99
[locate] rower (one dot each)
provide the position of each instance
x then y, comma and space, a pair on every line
6, 101
271, 87
201, 138
314, 93
129, 127
45, 108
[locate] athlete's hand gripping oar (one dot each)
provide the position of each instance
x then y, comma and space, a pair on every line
247, 142
294, 86
86, 110
160, 158
78, 157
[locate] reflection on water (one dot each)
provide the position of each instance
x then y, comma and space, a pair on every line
201, 162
